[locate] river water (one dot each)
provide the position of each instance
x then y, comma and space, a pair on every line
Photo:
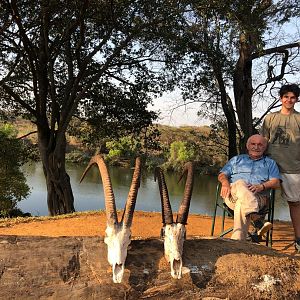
88, 195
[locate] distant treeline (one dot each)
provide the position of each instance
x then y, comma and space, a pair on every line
167, 146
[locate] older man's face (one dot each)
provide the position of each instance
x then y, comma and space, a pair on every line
256, 146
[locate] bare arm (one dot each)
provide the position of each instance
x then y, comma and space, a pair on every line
269, 184
273, 183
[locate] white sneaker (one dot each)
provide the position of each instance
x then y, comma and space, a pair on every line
266, 227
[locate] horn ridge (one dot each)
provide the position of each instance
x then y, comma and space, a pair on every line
110, 203
186, 200
132, 195
167, 214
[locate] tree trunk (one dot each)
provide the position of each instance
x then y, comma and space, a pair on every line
60, 198
242, 85
229, 113
231, 123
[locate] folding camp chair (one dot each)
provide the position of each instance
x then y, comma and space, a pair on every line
219, 203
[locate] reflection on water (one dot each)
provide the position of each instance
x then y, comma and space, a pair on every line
89, 194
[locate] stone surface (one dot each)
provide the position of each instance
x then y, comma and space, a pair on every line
76, 268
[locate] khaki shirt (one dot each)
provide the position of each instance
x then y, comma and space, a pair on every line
283, 134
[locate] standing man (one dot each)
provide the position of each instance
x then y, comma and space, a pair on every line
246, 180
282, 130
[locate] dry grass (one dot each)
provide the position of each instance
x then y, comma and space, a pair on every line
7, 222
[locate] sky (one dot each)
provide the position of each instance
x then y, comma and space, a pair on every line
167, 105
172, 114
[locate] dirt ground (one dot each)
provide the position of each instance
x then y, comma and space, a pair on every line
145, 225
66, 259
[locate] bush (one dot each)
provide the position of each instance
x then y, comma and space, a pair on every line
181, 152
123, 147
13, 154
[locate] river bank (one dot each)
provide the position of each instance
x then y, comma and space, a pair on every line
145, 225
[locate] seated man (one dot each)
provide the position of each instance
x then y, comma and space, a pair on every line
246, 180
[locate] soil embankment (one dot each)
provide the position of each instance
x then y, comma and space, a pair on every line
66, 258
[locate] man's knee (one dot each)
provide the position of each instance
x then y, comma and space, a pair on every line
240, 182
238, 185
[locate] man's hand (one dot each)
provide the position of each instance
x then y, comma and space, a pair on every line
255, 188
225, 191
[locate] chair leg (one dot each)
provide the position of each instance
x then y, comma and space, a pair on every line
223, 220
225, 232
215, 211
213, 222
218, 201
270, 241
269, 237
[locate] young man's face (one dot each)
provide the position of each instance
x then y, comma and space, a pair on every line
288, 100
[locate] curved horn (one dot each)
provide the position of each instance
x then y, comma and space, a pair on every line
167, 215
185, 203
110, 204
132, 195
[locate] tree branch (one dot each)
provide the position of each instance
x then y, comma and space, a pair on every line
274, 50
27, 44
18, 99
27, 134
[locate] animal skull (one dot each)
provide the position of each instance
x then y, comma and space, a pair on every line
117, 240
175, 232
118, 234
174, 236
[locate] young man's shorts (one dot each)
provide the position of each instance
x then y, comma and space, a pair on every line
290, 187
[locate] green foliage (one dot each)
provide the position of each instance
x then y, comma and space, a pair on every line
8, 130
181, 152
95, 66
114, 153
197, 144
221, 54
165, 145
95, 60
13, 154
206, 146
123, 147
